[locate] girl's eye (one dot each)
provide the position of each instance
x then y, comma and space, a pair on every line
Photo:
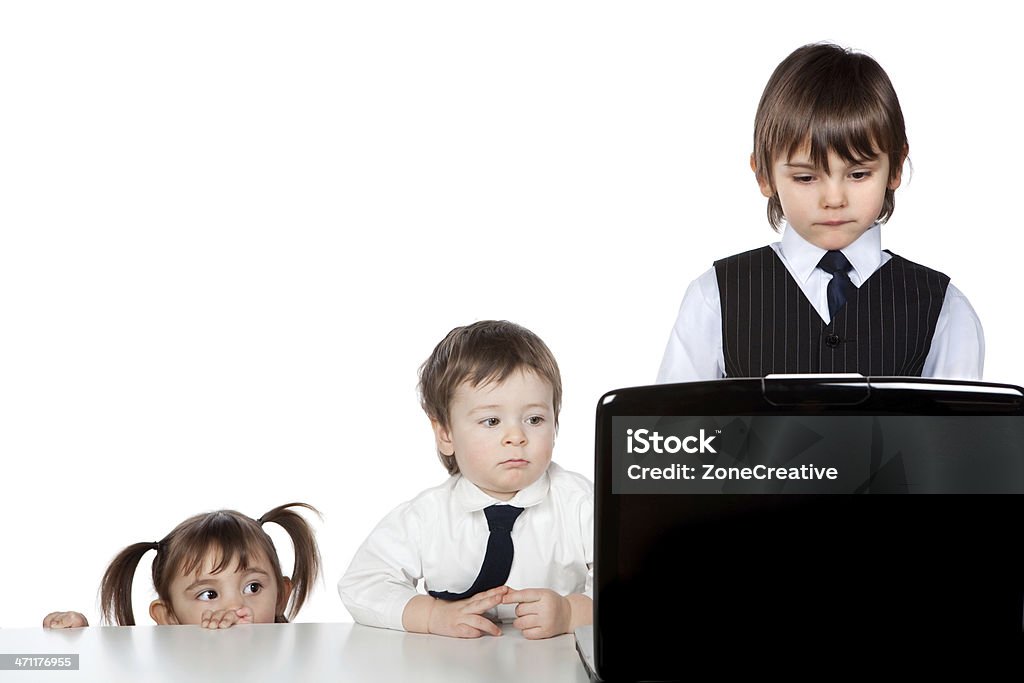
534, 420
207, 595
490, 422
860, 175
253, 588
803, 178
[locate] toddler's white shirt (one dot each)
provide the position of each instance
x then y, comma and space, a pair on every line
439, 538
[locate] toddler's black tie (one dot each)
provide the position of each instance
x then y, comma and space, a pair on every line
498, 556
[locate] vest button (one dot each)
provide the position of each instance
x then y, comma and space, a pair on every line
832, 341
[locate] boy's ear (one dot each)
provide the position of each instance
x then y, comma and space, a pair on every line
762, 181
282, 599
443, 438
898, 177
162, 614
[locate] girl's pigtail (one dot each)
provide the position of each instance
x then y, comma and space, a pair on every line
307, 555
116, 587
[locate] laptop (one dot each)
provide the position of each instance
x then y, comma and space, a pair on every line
793, 513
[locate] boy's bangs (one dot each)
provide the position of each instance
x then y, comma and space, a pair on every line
855, 136
494, 372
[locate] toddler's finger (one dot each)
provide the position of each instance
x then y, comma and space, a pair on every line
527, 622
65, 620
215, 618
483, 602
500, 590
524, 608
482, 624
535, 633
525, 595
228, 620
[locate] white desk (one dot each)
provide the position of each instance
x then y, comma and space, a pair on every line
292, 652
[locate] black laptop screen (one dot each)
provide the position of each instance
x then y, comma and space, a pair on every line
725, 520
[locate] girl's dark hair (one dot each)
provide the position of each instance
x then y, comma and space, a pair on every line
235, 537
832, 99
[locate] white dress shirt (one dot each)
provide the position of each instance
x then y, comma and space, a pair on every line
694, 350
440, 536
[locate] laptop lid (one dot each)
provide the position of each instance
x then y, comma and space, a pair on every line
738, 515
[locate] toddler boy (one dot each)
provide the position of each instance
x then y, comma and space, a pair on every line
509, 535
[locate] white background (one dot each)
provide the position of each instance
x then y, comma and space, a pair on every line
231, 232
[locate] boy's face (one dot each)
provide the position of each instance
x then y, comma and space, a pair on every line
501, 433
830, 210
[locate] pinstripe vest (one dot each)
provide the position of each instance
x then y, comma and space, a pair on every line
768, 325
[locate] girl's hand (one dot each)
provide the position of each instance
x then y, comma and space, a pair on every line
226, 618
65, 620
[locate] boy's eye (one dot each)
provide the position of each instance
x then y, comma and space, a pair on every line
534, 420
207, 595
253, 588
860, 175
490, 422
803, 178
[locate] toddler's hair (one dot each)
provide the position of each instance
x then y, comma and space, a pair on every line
484, 352
835, 99
236, 538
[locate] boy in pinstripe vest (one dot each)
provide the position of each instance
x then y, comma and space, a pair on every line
829, 147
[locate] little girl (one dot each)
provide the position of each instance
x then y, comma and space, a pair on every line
216, 570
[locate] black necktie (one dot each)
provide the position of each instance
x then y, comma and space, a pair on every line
498, 556
840, 287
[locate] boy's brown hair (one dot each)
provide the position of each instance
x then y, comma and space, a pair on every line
835, 99
484, 352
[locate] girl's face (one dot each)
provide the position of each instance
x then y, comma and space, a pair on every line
223, 598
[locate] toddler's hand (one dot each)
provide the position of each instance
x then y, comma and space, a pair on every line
541, 613
65, 620
463, 618
226, 618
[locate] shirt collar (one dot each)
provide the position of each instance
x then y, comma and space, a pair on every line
865, 254
469, 496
